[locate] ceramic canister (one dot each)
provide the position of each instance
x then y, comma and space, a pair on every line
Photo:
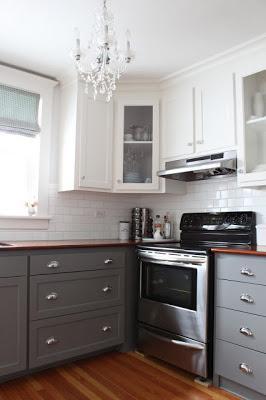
124, 230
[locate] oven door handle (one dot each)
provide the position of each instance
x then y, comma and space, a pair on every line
177, 342
171, 263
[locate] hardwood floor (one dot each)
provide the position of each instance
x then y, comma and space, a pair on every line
112, 376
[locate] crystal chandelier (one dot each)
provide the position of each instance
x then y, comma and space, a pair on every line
101, 64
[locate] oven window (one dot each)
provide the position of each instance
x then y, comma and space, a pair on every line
171, 285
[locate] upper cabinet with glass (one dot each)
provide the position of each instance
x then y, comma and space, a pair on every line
137, 142
251, 101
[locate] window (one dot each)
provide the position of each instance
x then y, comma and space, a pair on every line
25, 130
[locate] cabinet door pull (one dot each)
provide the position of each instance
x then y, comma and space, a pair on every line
52, 296
108, 261
53, 264
245, 368
107, 289
199, 141
106, 328
51, 340
246, 331
190, 144
246, 298
247, 272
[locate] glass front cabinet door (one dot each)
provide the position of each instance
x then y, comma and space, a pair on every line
137, 135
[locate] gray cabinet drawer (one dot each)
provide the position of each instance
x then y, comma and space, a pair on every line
230, 324
228, 294
228, 359
67, 293
249, 269
13, 266
55, 262
56, 339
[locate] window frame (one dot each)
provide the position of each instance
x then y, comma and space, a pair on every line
45, 87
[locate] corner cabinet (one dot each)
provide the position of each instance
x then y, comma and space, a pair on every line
85, 140
136, 145
251, 124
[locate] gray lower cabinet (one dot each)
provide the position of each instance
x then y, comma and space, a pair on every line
68, 293
240, 325
13, 315
57, 339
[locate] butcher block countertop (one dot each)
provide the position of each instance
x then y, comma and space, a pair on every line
252, 250
71, 244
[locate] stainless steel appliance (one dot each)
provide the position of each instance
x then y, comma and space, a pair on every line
176, 288
200, 168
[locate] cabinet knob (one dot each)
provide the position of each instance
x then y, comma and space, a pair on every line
246, 331
245, 368
53, 264
52, 296
119, 181
107, 289
247, 272
246, 298
108, 261
83, 177
106, 329
199, 141
240, 171
190, 144
51, 340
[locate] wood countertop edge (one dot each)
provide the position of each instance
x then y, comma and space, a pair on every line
69, 244
256, 251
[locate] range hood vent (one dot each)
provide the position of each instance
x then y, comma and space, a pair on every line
200, 168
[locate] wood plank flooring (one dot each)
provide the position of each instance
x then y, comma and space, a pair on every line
112, 376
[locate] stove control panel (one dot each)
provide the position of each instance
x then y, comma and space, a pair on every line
240, 220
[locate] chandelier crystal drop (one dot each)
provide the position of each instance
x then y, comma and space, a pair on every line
101, 64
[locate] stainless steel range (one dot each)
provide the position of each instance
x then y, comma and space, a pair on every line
175, 316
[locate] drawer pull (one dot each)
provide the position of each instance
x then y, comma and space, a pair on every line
53, 264
107, 289
51, 340
246, 331
108, 261
247, 272
52, 296
246, 369
246, 298
106, 329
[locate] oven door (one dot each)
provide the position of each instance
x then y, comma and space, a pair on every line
173, 296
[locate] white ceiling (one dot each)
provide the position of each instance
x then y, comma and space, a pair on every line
167, 35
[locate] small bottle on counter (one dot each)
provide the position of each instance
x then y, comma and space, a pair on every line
167, 227
157, 228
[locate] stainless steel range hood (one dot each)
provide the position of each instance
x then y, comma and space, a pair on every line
200, 168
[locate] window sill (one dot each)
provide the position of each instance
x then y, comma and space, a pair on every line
24, 222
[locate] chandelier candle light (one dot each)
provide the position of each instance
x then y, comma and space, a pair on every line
101, 64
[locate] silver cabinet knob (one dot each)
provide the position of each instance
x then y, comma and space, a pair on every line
119, 181
106, 329
245, 368
108, 261
52, 296
247, 272
53, 264
240, 171
190, 144
246, 331
51, 340
83, 177
199, 141
246, 298
107, 289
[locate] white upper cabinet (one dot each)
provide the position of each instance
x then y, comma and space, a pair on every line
85, 141
251, 122
215, 111
178, 123
199, 114
136, 144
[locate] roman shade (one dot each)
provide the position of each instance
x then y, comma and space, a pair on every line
19, 111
